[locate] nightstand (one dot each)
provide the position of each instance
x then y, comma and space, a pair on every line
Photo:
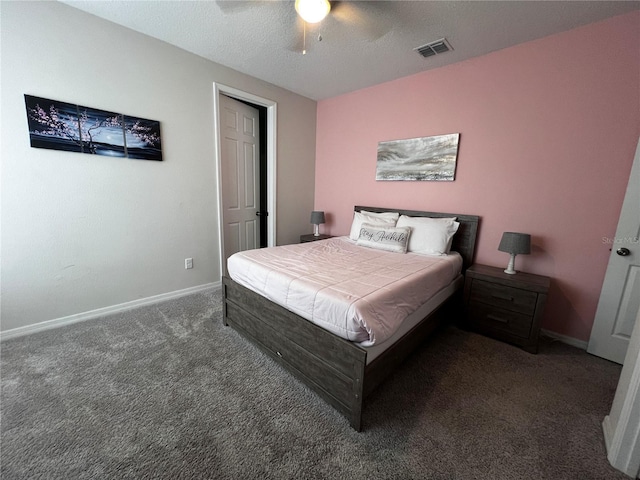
312, 238
506, 307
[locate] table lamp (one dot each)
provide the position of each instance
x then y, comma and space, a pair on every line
514, 244
317, 218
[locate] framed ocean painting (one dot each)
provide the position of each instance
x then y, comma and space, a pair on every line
425, 158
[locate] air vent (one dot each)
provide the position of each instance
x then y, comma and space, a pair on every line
434, 48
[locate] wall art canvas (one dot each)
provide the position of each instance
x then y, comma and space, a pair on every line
64, 126
142, 138
425, 158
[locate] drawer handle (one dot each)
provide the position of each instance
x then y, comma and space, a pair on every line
497, 319
502, 297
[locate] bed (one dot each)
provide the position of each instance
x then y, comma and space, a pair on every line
340, 371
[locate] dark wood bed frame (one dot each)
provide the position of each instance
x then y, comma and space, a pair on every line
334, 368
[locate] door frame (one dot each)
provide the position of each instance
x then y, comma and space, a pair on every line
271, 106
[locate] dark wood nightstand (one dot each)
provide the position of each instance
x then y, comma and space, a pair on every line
506, 307
312, 238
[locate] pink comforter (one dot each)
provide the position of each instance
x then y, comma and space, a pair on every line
358, 293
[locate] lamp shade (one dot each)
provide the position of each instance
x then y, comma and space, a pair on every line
317, 218
516, 243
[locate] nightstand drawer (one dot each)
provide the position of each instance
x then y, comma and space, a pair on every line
506, 307
508, 298
500, 320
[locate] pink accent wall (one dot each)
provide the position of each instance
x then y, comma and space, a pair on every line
548, 130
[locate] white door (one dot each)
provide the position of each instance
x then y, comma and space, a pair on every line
240, 172
620, 297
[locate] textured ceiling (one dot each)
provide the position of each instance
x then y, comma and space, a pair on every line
363, 43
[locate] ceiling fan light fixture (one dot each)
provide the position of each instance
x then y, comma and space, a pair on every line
312, 11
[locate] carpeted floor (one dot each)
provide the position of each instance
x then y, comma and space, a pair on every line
167, 391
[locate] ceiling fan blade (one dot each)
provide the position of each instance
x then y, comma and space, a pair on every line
235, 6
370, 18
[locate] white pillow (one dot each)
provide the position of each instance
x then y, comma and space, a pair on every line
391, 215
390, 239
359, 218
429, 236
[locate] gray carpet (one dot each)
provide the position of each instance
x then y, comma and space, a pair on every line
167, 391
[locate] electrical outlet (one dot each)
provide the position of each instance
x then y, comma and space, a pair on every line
188, 263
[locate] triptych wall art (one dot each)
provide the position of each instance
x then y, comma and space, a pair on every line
64, 126
425, 158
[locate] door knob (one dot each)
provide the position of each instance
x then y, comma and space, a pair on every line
623, 252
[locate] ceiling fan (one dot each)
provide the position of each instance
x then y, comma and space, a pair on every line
312, 11
362, 16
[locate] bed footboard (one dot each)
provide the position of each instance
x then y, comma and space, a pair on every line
331, 366
385, 364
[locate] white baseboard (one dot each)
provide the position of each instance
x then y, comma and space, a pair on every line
100, 312
564, 339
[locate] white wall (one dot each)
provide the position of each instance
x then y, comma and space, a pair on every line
83, 232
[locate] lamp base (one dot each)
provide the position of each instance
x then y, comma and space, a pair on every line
512, 262
316, 230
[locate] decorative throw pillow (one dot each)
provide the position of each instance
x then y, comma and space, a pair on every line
390, 239
429, 236
359, 218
